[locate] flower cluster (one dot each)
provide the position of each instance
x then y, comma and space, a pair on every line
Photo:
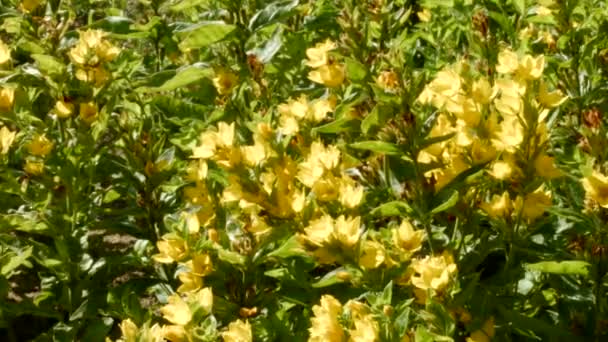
501, 125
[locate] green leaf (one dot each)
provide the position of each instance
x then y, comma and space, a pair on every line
271, 47
378, 147
288, 249
520, 6
376, 119
272, 13
561, 267
231, 257
341, 125
355, 70
203, 34
394, 208
447, 204
184, 77
17, 260
48, 64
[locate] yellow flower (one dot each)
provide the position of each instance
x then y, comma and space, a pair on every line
596, 188
254, 154
176, 311
63, 109
424, 15
7, 97
482, 91
325, 326
174, 333
34, 168
318, 56
433, 272
531, 68
509, 135
190, 282
550, 99
350, 193
501, 170
171, 249
499, 206
238, 331
319, 231
88, 112
485, 334
197, 171
96, 75
319, 109
331, 75
6, 139
372, 254
40, 146
545, 166
202, 299
224, 81
365, 330
534, 204
30, 5
346, 230
407, 239
129, 330
5, 53
508, 62
447, 83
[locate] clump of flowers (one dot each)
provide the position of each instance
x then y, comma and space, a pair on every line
326, 70
90, 54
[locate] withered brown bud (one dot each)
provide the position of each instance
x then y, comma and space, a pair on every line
592, 118
480, 23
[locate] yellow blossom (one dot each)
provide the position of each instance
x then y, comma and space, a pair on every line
365, 330
509, 135
30, 5
424, 15
192, 222
331, 75
176, 311
6, 139
347, 230
534, 204
319, 55
325, 326
502, 170
508, 62
190, 282
174, 333
224, 81
499, 206
433, 272
88, 112
350, 193
129, 330
320, 230
545, 166
34, 168
485, 334
407, 239
372, 254
531, 68
197, 171
40, 146
550, 99
482, 91
7, 98
596, 187
171, 248
63, 109
319, 109
238, 331
5, 53
255, 154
